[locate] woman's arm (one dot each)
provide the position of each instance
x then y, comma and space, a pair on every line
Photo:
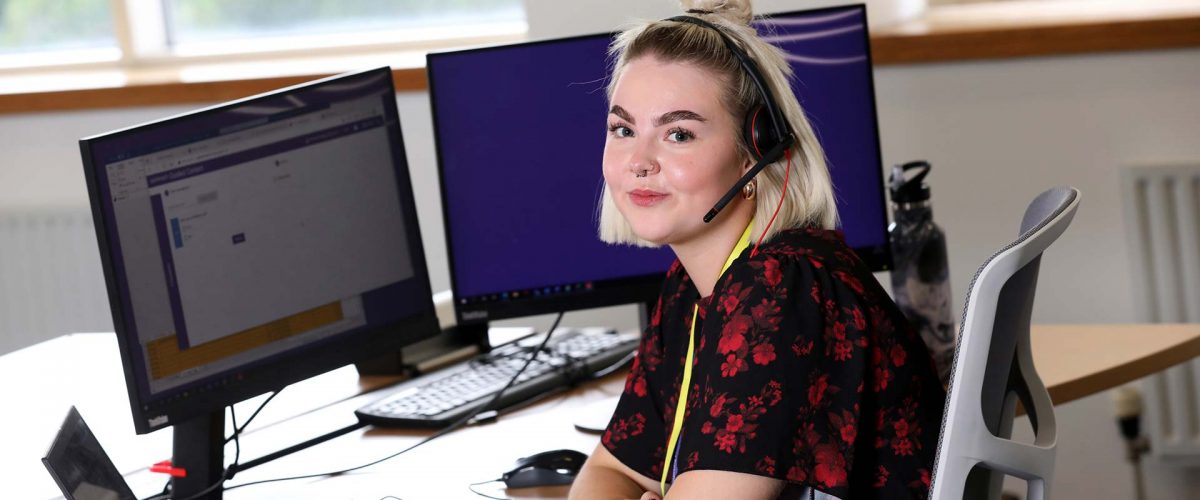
724, 484
605, 477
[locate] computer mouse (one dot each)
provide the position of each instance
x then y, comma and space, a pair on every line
548, 468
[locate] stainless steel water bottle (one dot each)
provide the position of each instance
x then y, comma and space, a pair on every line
921, 275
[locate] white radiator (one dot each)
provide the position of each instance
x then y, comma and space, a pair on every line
1162, 213
50, 277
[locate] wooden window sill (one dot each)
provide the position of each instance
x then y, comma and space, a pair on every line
969, 32
1029, 28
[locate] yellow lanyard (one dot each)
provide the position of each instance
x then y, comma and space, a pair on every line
681, 405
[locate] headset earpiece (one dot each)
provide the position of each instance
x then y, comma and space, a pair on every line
760, 134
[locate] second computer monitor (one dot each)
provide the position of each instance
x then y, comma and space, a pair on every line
520, 133
257, 243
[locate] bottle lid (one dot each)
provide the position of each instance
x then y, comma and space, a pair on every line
913, 189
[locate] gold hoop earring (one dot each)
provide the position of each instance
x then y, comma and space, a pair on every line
748, 191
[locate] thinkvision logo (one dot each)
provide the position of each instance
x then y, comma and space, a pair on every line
474, 315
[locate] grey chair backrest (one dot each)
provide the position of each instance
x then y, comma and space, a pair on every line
993, 368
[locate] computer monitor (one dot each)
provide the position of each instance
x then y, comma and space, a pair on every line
254, 244
520, 132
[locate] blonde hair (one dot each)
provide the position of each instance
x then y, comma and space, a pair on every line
809, 199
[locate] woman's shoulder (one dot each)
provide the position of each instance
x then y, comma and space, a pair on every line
806, 267
807, 253
816, 246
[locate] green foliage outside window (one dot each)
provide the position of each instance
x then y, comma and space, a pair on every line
222, 19
33, 25
27, 25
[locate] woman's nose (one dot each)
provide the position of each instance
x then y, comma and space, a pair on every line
642, 159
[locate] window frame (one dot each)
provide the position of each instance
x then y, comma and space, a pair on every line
142, 51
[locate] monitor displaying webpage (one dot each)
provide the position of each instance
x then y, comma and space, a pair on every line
270, 230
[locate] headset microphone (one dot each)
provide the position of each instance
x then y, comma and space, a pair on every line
773, 155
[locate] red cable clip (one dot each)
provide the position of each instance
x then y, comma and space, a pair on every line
165, 467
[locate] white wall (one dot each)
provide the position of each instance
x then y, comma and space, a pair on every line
997, 133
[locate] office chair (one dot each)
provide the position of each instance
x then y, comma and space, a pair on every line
993, 368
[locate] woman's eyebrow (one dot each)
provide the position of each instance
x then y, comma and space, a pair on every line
677, 115
622, 114
672, 116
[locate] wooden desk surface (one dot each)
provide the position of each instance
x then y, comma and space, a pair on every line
1080, 360
84, 370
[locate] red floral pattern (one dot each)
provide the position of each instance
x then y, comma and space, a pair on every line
804, 371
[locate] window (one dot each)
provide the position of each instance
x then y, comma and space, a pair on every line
149, 33
198, 21
69, 30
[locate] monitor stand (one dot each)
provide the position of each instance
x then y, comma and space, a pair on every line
198, 448
453, 344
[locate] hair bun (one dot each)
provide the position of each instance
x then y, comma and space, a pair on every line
736, 11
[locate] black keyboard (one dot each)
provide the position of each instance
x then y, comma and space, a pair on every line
443, 397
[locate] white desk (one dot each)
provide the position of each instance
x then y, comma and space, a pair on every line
42, 381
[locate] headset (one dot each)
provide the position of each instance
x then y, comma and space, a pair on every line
768, 138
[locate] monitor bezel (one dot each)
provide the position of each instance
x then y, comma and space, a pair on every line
278, 371
640, 288
878, 258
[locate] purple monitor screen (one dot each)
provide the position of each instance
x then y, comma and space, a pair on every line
520, 133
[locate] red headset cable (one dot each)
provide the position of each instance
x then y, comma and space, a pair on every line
782, 193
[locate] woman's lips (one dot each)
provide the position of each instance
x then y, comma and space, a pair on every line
646, 197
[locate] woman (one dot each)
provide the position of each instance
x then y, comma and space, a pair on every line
803, 373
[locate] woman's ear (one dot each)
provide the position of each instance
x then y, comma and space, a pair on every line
749, 162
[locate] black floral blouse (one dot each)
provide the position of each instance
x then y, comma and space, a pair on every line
804, 371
